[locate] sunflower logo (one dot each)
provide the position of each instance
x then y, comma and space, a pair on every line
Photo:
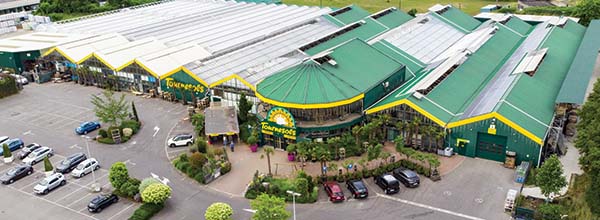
281, 117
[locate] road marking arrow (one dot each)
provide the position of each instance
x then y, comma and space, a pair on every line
28, 133
250, 210
156, 129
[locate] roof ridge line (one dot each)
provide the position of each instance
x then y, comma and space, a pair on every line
525, 113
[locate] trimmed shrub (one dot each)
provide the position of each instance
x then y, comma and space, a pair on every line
103, 133
127, 132
129, 188
146, 211
218, 211
201, 145
134, 125
197, 160
118, 175
5, 151
147, 182
156, 193
48, 165
225, 168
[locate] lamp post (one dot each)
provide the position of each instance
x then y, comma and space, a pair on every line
95, 186
294, 194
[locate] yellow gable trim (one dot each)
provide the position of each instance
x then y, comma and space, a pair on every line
519, 129
470, 120
139, 63
410, 104
310, 106
60, 52
234, 76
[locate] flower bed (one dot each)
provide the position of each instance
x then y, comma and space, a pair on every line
302, 183
203, 167
105, 137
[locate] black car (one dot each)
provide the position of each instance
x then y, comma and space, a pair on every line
408, 177
101, 202
27, 150
16, 173
358, 189
388, 183
69, 163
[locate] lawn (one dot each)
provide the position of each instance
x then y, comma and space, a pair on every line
469, 6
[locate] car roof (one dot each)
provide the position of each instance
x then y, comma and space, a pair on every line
75, 155
53, 176
358, 183
89, 160
40, 149
389, 178
334, 186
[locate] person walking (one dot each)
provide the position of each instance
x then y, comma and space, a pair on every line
224, 141
232, 146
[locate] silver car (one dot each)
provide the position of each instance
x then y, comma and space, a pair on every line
49, 183
85, 167
38, 155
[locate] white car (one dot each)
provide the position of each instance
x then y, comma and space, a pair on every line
85, 167
49, 183
20, 79
181, 140
38, 155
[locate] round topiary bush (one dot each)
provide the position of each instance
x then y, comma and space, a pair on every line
218, 211
156, 193
127, 132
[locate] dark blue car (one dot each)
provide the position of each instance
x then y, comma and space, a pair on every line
87, 127
13, 144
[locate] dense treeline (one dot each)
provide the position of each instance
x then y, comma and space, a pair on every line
586, 10
65, 9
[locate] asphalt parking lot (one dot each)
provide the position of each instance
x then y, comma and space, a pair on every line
73, 196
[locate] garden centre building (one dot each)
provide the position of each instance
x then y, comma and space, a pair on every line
486, 86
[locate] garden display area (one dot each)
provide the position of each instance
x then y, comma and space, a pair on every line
203, 164
123, 122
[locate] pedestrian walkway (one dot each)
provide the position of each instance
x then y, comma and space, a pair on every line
570, 162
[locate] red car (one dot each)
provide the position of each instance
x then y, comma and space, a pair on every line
334, 191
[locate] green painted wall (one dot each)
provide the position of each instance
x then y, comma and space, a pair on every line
15, 60
526, 149
183, 80
379, 91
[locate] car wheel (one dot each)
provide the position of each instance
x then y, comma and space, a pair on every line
116, 200
99, 210
96, 168
98, 127
85, 132
11, 181
45, 192
29, 172
172, 145
62, 183
385, 191
188, 144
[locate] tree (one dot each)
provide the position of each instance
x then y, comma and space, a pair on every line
110, 110
374, 152
587, 10
48, 165
156, 193
550, 177
147, 182
399, 143
135, 115
244, 107
549, 211
6, 151
356, 132
197, 160
118, 174
412, 12
198, 123
218, 211
201, 145
267, 152
269, 208
323, 155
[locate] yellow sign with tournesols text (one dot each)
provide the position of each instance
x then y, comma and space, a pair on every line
171, 83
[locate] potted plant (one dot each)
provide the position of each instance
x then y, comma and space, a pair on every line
252, 141
291, 156
48, 168
8, 157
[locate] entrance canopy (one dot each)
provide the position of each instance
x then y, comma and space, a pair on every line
221, 120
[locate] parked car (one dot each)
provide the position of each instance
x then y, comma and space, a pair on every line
69, 163
27, 150
38, 155
85, 167
49, 183
181, 140
20, 79
334, 191
13, 144
358, 189
102, 201
388, 183
407, 177
87, 127
16, 173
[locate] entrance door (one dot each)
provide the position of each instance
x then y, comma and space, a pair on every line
279, 143
491, 147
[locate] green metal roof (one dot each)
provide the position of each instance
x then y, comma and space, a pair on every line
347, 15
314, 83
575, 85
456, 17
363, 30
392, 17
530, 102
518, 25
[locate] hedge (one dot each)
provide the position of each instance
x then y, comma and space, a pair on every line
8, 85
146, 211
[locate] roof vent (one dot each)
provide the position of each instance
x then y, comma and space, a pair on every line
417, 95
332, 62
425, 20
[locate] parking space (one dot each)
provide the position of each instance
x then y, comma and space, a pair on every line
183, 127
75, 194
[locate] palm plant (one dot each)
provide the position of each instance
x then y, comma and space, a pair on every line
356, 132
267, 152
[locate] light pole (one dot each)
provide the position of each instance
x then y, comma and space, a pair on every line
95, 186
294, 194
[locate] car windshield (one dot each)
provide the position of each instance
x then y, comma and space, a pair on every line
80, 166
410, 174
43, 182
359, 185
12, 171
32, 155
65, 162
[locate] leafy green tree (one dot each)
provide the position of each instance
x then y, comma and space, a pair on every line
374, 152
399, 143
147, 182
269, 208
550, 177
587, 10
130, 187
302, 186
110, 110
550, 211
201, 145
6, 151
118, 174
218, 211
244, 107
48, 165
267, 152
134, 110
198, 123
156, 193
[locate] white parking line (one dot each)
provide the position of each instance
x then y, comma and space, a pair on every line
428, 207
83, 197
118, 213
54, 203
